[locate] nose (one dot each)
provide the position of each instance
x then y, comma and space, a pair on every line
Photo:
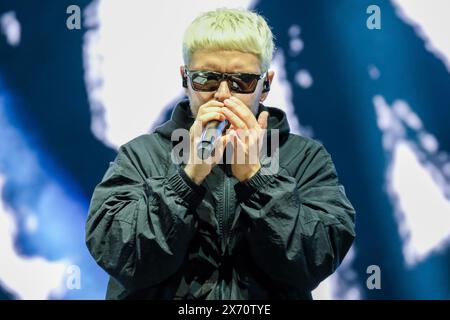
223, 92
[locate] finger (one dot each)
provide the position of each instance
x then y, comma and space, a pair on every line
208, 109
210, 104
205, 118
243, 133
196, 129
239, 149
246, 149
263, 119
234, 119
242, 111
230, 128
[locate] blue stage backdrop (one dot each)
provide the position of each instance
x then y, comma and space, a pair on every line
369, 79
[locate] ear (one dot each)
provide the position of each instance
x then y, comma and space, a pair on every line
183, 77
267, 84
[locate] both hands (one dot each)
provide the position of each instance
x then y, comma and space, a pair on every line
245, 134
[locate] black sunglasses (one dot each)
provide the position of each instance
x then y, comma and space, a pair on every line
209, 81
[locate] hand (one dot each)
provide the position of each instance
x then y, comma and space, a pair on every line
246, 134
198, 169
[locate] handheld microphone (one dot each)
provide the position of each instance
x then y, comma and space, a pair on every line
213, 130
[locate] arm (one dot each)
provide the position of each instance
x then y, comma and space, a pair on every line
139, 227
303, 221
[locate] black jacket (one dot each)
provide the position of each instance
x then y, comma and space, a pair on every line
160, 236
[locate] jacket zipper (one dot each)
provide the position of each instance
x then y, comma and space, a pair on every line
224, 217
226, 213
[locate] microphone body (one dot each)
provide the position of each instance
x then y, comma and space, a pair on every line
212, 131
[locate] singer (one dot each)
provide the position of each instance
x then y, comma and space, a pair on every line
220, 228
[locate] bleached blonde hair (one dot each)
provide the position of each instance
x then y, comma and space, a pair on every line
230, 29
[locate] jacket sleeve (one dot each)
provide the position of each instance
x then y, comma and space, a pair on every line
302, 220
140, 224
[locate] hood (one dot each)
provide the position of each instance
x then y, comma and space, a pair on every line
182, 118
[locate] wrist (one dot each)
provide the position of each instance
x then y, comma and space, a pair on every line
189, 170
250, 173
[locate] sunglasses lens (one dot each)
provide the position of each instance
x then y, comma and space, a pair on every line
205, 81
210, 81
243, 83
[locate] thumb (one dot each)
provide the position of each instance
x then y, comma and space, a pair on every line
263, 119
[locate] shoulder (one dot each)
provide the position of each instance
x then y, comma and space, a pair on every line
301, 146
146, 148
300, 152
142, 141
145, 143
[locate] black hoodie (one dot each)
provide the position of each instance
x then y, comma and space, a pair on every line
161, 236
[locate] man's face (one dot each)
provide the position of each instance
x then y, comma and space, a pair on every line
230, 62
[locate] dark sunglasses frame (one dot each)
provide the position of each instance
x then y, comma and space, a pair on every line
247, 78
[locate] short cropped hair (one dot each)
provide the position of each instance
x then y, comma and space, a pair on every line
230, 29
